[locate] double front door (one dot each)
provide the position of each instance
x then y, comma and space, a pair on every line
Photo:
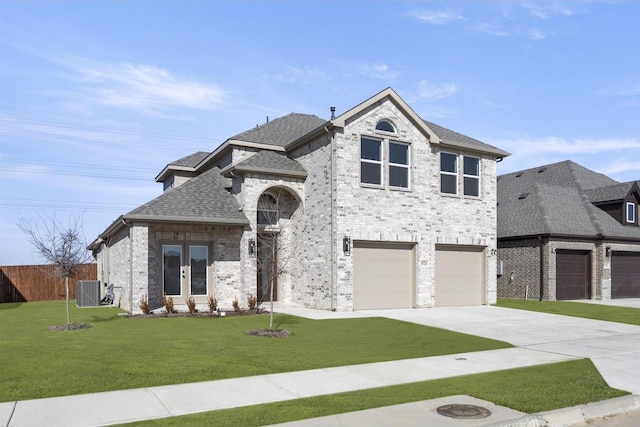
185, 269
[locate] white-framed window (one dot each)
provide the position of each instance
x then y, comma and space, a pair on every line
448, 173
370, 161
471, 176
198, 263
172, 270
385, 126
399, 164
631, 213
451, 174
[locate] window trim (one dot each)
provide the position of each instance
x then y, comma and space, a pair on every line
206, 268
454, 174
390, 123
399, 165
476, 177
380, 162
460, 175
630, 208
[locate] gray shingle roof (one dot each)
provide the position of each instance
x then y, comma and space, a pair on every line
271, 162
612, 192
281, 131
555, 199
190, 161
458, 139
200, 199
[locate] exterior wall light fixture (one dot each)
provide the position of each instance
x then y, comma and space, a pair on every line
346, 245
252, 246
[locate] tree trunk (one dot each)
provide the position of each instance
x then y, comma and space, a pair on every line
272, 280
66, 285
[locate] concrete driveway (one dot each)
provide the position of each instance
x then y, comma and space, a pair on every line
614, 348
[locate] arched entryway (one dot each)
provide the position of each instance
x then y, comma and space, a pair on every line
275, 244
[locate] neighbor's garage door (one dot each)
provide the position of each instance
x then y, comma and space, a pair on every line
383, 275
625, 274
573, 274
460, 276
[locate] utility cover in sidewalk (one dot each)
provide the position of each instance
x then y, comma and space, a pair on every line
464, 411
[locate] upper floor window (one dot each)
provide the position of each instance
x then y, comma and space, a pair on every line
450, 174
385, 126
398, 164
471, 176
370, 161
631, 213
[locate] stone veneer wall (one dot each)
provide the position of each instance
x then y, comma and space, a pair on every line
225, 281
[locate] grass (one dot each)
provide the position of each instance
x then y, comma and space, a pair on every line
577, 309
119, 353
533, 389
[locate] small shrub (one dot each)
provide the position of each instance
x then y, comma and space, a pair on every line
236, 304
191, 304
144, 305
251, 301
168, 304
213, 303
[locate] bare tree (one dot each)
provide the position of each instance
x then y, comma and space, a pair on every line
275, 251
60, 244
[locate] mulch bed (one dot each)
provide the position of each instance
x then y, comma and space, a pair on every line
70, 327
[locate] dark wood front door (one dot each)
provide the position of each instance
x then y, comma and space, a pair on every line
573, 274
625, 274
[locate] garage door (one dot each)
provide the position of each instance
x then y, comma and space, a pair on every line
573, 274
460, 276
625, 274
383, 275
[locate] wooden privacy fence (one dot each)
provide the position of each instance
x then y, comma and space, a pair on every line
20, 283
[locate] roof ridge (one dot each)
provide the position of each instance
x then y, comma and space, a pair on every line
585, 199
546, 219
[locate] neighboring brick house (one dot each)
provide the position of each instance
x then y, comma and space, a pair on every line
566, 232
375, 208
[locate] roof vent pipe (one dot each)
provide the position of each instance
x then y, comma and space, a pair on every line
333, 112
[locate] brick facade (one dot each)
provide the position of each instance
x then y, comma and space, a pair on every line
327, 206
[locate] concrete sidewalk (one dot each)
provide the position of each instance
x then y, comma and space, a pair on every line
158, 402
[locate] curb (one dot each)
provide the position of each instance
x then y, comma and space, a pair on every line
574, 415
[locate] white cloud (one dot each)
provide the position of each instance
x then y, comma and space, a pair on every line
433, 91
536, 34
377, 71
146, 88
544, 12
555, 145
300, 75
619, 166
492, 29
436, 17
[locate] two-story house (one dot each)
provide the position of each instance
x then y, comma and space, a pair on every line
566, 232
374, 208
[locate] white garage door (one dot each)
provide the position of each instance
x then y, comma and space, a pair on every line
460, 276
383, 275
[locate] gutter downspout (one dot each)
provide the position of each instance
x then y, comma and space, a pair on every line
334, 241
130, 265
541, 267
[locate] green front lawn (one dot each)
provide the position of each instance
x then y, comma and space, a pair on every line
119, 353
533, 389
576, 309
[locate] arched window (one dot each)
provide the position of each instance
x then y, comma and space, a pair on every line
385, 126
267, 210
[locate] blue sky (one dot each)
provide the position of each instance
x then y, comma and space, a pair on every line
97, 97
